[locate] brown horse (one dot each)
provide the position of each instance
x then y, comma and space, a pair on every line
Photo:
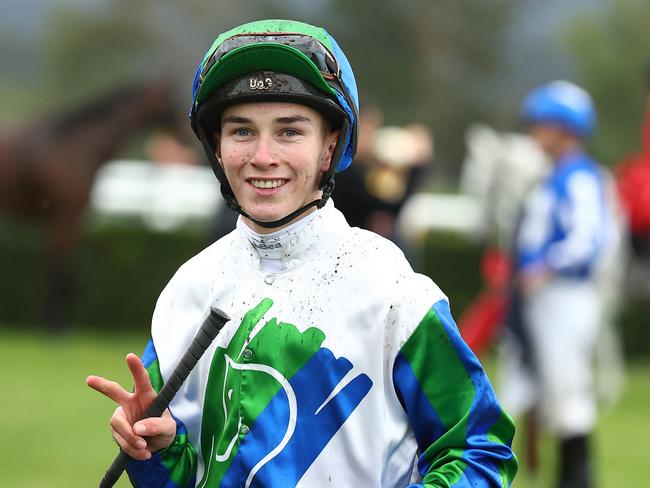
47, 171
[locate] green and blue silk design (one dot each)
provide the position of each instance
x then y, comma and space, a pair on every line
275, 401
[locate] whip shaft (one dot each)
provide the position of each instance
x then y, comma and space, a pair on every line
210, 328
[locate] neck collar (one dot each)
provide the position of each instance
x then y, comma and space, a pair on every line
274, 249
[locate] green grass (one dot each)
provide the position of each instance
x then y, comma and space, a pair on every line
55, 429
620, 443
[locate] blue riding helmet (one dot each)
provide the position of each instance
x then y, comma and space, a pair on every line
279, 60
561, 103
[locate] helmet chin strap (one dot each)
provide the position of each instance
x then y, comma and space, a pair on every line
319, 203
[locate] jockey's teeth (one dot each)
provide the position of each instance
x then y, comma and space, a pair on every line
267, 183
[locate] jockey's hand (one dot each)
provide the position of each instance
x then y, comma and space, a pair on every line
137, 436
533, 279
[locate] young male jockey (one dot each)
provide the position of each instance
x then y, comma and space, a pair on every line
341, 366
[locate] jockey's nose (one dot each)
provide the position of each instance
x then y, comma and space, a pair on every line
264, 154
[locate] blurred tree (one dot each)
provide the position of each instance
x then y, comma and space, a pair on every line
435, 62
89, 50
612, 55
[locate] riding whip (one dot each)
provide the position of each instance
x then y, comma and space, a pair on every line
210, 328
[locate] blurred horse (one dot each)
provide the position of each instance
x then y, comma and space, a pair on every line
47, 171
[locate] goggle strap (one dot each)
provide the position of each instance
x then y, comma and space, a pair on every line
325, 61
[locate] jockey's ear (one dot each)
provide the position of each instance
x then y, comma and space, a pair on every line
331, 138
217, 145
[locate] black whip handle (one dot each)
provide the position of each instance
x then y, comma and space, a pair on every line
210, 328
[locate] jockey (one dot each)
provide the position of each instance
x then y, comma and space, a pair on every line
341, 366
563, 231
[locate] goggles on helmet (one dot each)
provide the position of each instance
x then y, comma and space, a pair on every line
314, 50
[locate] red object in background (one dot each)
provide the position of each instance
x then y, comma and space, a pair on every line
633, 181
482, 319
495, 268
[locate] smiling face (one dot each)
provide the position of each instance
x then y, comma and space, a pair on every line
274, 155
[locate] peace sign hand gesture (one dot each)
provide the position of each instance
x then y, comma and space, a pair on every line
137, 437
